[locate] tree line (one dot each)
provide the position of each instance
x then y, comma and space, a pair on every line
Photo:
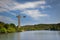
42, 27
8, 28
5, 27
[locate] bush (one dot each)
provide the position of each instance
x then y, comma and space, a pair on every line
3, 30
10, 29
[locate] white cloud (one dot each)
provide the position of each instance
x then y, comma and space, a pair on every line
43, 7
14, 14
34, 13
7, 5
7, 19
28, 5
13, 5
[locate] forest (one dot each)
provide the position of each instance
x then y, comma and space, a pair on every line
9, 28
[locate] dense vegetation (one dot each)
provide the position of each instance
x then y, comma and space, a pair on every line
4, 28
42, 27
8, 28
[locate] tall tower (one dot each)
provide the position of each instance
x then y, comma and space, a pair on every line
18, 21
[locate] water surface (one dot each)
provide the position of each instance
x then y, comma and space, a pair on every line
32, 35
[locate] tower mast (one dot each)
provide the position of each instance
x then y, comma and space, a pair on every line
18, 21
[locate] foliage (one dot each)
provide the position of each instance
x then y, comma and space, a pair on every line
12, 25
42, 27
8, 28
3, 30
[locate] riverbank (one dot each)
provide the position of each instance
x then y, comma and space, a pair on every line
10, 28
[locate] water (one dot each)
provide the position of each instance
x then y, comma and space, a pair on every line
32, 35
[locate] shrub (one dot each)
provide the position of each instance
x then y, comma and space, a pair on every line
10, 29
3, 30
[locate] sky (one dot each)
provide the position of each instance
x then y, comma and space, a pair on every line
36, 11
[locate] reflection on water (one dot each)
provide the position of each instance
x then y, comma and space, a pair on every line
32, 35
7, 36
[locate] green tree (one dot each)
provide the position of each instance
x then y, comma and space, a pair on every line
11, 29
2, 24
3, 30
6, 26
58, 26
12, 25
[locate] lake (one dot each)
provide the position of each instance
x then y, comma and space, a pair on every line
32, 35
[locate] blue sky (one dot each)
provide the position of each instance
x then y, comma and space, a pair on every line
36, 11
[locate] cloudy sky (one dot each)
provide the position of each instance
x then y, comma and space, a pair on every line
36, 11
